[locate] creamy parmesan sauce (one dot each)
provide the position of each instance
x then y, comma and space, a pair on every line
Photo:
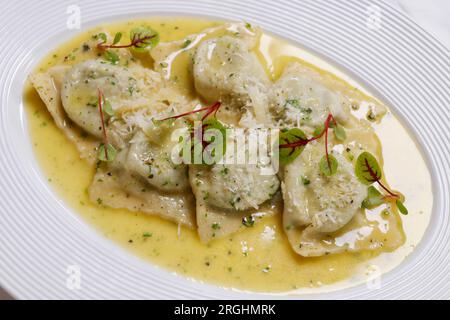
259, 258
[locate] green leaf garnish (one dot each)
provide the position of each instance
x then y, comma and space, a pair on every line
367, 168
339, 132
368, 171
374, 198
401, 207
289, 154
328, 167
101, 36
144, 37
293, 103
117, 37
319, 130
197, 143
141, 38
107, 108
112, 57
213, 123
107, 154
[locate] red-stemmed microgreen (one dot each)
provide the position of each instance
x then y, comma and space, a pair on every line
293, 141
209, 110
207, 123
140, 38
291, 144
106, 151
368, 172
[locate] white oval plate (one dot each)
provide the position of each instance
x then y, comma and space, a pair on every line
376, 45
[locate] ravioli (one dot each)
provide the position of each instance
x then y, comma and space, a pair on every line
218, 214
142, 177
324, 204
48, 85
235, 187
165, 52
229, 195
114, 187
153, 163
300, 98
125, 88
225, 69
324, 215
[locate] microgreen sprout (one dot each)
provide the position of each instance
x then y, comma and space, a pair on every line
140, 38
106, 151
293, 141
368, 172
207, 123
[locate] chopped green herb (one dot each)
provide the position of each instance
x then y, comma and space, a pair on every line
186, 43
293, 103
267, 269
215, 226
305, 180
248, 221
